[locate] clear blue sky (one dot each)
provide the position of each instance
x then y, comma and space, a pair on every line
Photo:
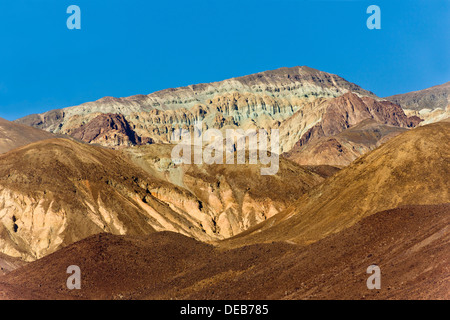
132, 47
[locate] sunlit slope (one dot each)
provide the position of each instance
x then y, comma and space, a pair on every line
409, 244
412, 168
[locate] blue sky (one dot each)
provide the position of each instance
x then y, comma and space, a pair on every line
141, 46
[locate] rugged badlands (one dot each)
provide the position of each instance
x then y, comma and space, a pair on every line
362, 180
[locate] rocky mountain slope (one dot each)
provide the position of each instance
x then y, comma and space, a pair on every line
361, 183
8, 263
410, 169
430, 98
58, 191
431, 104
280, 83
409, 244
329, 117
108, 130
303, 103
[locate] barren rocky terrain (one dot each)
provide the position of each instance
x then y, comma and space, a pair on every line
263, 100
362, 180
412, 168
430, 98
57, 191
410, 244
343, 148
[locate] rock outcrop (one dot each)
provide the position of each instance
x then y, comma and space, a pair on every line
343, 148
348, 110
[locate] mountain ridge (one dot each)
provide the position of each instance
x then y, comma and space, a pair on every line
263, 100
15, 135
249, 80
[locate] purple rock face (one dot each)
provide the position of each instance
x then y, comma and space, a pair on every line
109, 126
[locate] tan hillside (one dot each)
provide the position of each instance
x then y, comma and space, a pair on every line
343, 148
410, 244
412, 168
437, 97
431, 104
59, 191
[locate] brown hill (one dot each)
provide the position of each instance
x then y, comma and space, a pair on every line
323, 118
409, 244
348, 110
58, 191
14, 135
411, 168
8, 263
